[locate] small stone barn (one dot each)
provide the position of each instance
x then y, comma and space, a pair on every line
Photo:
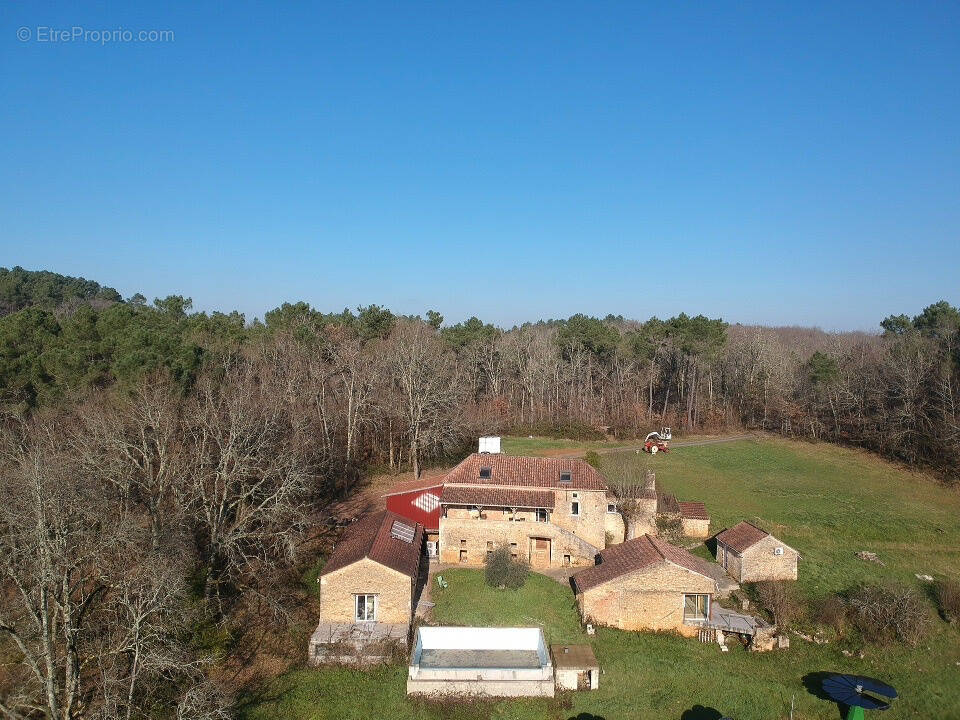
695, 519
646, 584
575, 667
368, 589
750, 554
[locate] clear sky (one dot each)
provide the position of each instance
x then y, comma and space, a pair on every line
782, 163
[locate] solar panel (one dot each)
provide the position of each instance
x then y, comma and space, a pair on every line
850, 690
402, 531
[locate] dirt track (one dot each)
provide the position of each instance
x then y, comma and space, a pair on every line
574, 452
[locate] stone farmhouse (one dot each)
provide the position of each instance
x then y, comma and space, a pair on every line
646, 584
750, 554
368, 589
551, 511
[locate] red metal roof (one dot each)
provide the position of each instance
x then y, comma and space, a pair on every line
694, 510
633, 555
511, 470
496, 497
401, 488
373, 537
741, 536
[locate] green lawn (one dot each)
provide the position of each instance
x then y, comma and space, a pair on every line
516, 445
468, 600
827, 502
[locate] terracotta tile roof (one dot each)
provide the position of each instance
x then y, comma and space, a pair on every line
414, 485
511, 470
633, 555
694, 510
373, 537
573, 656
741, 536
496, 497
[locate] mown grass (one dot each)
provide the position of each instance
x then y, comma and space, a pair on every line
517, 445
468, 600
825, 501
828, 502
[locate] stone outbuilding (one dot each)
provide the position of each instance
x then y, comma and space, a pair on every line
750, 554
695, 520
368, 590
575, 667
646, 584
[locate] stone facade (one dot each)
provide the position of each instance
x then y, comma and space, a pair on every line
651, 598
394, 591
563, 538
695, 528
759, 561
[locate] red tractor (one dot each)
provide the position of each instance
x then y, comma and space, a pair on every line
658, 441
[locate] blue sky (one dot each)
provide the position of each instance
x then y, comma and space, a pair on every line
781, 163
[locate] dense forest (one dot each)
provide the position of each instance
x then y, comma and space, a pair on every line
402, 391
159, 466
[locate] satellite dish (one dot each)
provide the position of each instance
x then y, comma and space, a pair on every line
852, 691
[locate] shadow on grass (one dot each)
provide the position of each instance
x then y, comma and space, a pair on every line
699, 712
586, 716
813, 682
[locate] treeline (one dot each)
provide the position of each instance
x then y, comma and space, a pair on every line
397, 390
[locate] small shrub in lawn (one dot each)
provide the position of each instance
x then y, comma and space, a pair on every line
779, 598
947, 593
883, 614
832, 612
502, 571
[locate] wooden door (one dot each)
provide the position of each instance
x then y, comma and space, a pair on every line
540, 552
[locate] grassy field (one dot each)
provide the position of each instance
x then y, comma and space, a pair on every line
514, 445
827, 502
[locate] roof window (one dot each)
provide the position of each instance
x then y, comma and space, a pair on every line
486, 471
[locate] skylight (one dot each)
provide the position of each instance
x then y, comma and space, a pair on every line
565, 476
485, 472
402, 531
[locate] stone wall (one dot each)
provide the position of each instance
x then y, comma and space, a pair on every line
613, 528
693, 528
393, 589
643, 521
647, 599
760, 562
732, 558
476, 537
461, 529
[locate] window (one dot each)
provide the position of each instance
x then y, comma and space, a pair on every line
485, 472
575, 508
611, 507
566, 477
366, 608
462, 543
695, 607
542, 515
463, 556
